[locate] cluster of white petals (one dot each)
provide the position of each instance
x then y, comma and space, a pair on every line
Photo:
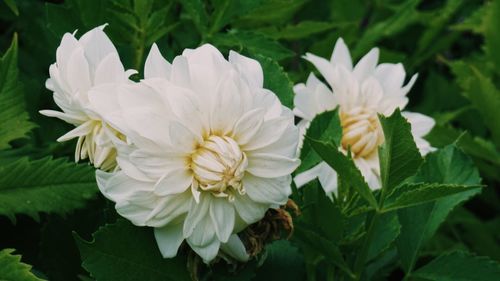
80, 66
360, 93
208, 150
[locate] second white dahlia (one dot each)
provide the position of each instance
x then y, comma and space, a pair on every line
208, 150
360, 93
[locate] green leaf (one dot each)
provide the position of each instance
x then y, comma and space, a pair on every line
404, 15
12, 6
283, 261
325, 127
324, 246
399, 156
46, 185
322, 213
12, 269
197, 12
408, 195
479, 89
418, 224
277, 80
122, 251
460, 266
386, 230
13, 117
301, 30
345, 168
226, 10
255, 43
492, 36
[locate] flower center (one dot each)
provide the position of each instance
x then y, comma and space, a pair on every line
361, 131
218, 166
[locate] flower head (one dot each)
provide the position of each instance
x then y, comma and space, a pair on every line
81, 65
208, 149
360, 93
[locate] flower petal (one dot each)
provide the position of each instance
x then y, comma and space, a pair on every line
156, 65
222, 214
235, 248
268, 165
174, 181
270, 191
249, 68
169, 238
341, 55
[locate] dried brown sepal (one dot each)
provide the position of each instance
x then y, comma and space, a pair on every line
276, 224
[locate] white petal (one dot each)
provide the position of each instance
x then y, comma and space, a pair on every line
79, 131
366, 66
341, 54
271, 165
270, 191
222, 214
326, 68
328, 178
110, 69
248, 210
77, 74
196, 213
247, 126
235, 248
249, 68
118, 186
305, 177
421, 124
97, 46
156, 65
226, 106
69, 118
169, 238
174, 181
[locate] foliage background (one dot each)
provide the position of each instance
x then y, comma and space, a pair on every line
50, 208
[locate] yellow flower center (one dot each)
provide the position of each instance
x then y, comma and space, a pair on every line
361, 131
219, 166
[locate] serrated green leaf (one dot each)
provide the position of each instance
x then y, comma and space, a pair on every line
255, 43
398, 156
122, 251
277, 80
325, 127
323, 246
475, 22
460, 266
386, 230
345, 168
322, 213
13, 117
418, 224
12, 269
492, 39
47, 185
480, 90
226, 10
301, 30
408, 195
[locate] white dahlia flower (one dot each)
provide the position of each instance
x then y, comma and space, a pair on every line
360, 93
81, 65
208, 150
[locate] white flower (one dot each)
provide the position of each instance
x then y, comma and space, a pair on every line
360, 92
80, 65
209, 150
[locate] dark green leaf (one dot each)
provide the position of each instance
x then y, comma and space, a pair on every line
283, 262
12, 269
277, 80
460, 266
399, 156
345, 168
418, 224
122, 251
492, 38
13, 117
386, 230
46, 185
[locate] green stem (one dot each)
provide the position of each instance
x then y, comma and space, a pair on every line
363, 254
